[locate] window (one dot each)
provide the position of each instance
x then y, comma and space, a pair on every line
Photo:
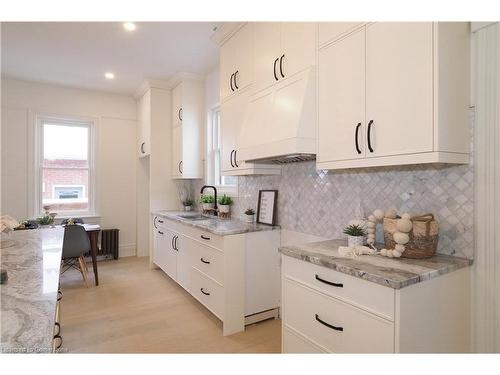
65, 166
214, 176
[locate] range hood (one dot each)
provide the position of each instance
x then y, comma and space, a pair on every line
280, 122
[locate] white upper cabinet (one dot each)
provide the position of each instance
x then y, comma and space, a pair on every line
394, 93
236, 62
233, 111
144, 124
330, 31
187, 129
281, 50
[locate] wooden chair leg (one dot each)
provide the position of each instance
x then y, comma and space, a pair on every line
83, 270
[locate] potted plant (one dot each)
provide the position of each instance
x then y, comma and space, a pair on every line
187, 204
207, 202
225, 203
250, 214
355, 235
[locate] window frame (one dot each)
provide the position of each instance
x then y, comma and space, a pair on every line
211, 133
90, 123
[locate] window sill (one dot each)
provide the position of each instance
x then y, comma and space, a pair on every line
88, 216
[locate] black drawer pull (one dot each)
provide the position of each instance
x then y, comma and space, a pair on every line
160, 232
274, 69
231, 158
59, 295
204, 261
231, 82
235, 85
60, 343
205, 293
337, 285
281, 66
369, 136
356, 138
205, 238
142, 147
329, 325
160, 221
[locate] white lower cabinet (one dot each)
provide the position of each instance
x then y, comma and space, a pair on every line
327, 311
236, 277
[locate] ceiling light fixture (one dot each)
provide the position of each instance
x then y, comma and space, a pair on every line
109, 75
129, 26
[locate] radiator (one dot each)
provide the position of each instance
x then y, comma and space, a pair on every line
110, 241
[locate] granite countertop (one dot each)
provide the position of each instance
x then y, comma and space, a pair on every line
392, 272
221, 227
29, 297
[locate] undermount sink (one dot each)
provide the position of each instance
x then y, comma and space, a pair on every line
194, 216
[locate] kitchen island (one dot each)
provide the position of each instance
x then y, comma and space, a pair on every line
29, 296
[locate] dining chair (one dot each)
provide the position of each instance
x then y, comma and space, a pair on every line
75, 244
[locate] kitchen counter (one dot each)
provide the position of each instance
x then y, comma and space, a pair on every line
29, 297
221, 227
392, 272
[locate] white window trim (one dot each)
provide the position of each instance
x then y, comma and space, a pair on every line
39, 119
231, 191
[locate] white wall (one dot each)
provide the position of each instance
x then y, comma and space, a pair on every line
115, 149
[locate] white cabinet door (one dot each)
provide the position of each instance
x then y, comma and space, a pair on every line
258, 123
177, 149
399, 88
341, 99
177, 105
298, 45
144, 116
227, 65
329, 31
184, 250
165, 256
267, 46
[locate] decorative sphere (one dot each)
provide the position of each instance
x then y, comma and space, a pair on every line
391, 214
372, 218
401, 238
383, 252
371, 235
389, 253
406, 216
379, 214
371, 224
404, 225
400, 248
396, 254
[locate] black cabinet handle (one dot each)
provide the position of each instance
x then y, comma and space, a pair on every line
59, 295
337, 285
274, 69
142, 147
160, 221
236, 164
180, 167
205, 238
154, 222
370, 135
180, 113
58, 329
172, 242
204, 261
231, 82
235, 74
356, 138
231, 158
60, 343
328, 325
175, 243
205, 293
161, 232
281, 66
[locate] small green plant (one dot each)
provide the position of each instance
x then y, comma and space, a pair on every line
250, 211
225, 200
45, 220
187, 202
207, 199
354, 230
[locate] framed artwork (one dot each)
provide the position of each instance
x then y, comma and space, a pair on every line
266, 207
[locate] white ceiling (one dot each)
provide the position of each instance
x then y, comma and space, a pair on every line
79, 53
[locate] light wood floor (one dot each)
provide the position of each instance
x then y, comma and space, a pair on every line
139, 310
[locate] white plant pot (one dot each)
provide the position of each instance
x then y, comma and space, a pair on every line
224, 208
355, 240
188, 208
208, 206
250, 218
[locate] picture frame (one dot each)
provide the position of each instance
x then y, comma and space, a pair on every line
266, 207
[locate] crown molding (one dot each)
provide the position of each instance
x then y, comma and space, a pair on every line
225, 31
166, 84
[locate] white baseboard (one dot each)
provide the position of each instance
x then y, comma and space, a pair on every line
127, 250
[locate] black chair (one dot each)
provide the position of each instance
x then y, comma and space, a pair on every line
75, 244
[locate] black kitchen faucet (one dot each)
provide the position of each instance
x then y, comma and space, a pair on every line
215, 196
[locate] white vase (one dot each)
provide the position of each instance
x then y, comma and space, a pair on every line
250, 218
224, 208
355, 240
208, 206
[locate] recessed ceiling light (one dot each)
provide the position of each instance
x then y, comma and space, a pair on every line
129, 26
109, 75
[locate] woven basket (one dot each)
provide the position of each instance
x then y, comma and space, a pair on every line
423, 236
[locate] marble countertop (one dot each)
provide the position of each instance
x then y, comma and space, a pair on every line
221, 227
29, 297
392, 272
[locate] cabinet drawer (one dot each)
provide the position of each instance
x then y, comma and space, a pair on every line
208, 292
369, 296
208, 260
197, 234
295, 343
334, 325
159, 222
